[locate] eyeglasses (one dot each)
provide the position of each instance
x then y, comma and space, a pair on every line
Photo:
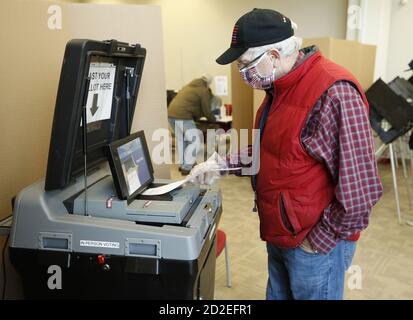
242, 66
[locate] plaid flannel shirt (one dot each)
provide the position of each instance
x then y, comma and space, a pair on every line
338, 133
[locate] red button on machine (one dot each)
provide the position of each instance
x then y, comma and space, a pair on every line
101, 259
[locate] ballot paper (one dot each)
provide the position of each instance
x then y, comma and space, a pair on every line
174, 185
164, 189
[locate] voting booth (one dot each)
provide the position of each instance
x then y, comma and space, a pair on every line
91, 229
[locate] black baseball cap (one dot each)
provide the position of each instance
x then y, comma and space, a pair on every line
256, 28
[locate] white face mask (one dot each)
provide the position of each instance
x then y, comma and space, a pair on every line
260, 73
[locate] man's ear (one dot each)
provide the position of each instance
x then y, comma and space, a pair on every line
275, 57
274, 53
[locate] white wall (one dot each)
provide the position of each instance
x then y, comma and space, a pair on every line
400, 40
376, 31
386, 24
197, 31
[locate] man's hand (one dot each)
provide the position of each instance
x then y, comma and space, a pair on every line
204, 173
209, 171
306, 246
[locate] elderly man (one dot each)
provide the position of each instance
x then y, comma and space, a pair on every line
191, 103
318, 178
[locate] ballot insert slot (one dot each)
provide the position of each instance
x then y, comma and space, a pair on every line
163, 197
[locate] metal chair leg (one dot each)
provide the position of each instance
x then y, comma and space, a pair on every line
402, 146
395, 156
381, 150
411, 159
410, 223
394, 173
229, 283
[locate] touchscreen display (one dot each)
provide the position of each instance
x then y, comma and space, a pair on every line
134, 165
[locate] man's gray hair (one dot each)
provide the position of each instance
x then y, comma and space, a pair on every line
285, 48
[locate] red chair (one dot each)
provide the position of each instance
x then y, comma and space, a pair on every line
221, 245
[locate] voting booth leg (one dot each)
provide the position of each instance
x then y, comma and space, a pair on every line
411, 160
378, 154
410, 223
394, 174
381, 150
395, 157
402, 146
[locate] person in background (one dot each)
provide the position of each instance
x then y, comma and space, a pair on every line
318, 178
192, 102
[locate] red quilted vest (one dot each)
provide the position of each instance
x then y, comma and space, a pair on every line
293, 188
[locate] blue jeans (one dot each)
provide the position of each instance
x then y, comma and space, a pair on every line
299, 275
188, 141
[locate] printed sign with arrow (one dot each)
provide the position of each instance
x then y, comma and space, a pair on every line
94, 107
99, 102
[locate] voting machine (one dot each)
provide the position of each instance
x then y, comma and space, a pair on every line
85, 231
